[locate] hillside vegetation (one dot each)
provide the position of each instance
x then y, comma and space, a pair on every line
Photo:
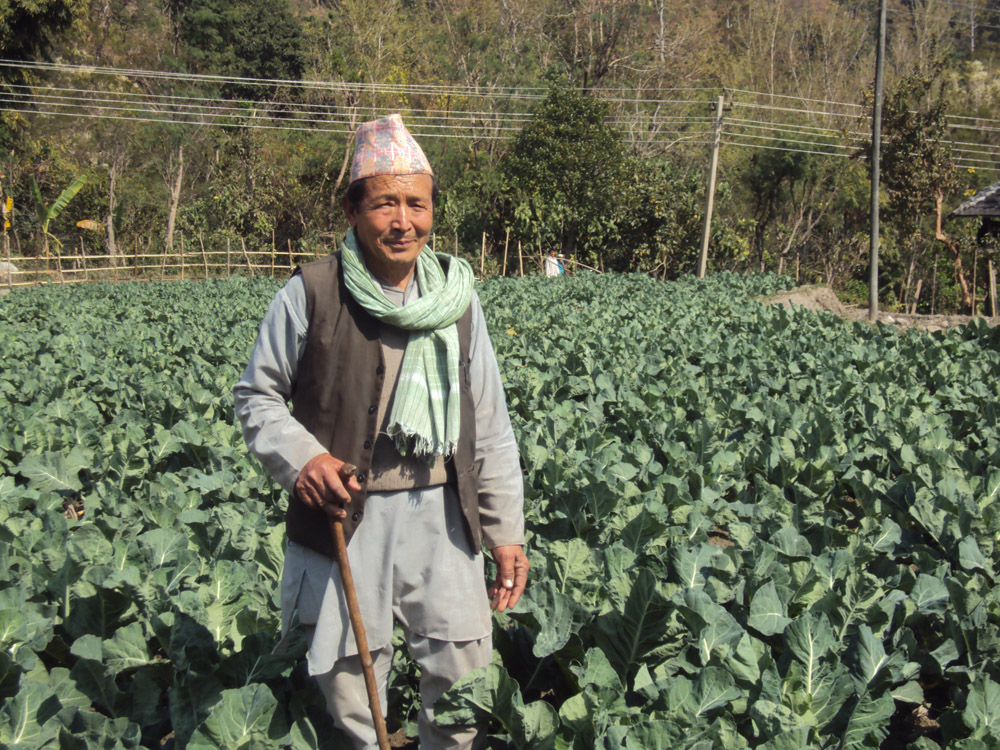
583, 126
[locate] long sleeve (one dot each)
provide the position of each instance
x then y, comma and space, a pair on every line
501, 486
261, 396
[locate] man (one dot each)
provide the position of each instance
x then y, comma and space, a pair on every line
552, 265
383, 351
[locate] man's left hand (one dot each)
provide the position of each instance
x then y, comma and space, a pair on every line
512, 577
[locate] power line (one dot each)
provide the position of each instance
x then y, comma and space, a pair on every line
167, 100
967, 6
782, 148
775, 108
212, 117
330, 118
945, 19
508, 92
792, 96
183, 113
855, 136
785, 140
416, 131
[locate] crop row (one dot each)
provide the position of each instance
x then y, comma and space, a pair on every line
749, 526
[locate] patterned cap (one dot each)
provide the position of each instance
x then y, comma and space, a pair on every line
386, 147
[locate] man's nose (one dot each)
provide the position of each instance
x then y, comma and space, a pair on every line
401, 217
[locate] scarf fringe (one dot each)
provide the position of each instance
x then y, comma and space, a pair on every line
408, 440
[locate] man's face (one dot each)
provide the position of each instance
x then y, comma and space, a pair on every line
393, 222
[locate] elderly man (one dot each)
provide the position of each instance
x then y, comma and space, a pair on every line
382, 350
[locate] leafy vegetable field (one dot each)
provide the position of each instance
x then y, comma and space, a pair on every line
749, 526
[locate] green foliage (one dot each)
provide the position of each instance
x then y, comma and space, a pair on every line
155, 613
769, 527
259, 39
45, 213
916, 163
28, 29
727, 552
570, 183
564, 175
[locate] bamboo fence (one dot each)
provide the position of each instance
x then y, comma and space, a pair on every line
190, 260
186, 262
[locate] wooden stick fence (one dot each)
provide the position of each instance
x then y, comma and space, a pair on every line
81, 267
187, 262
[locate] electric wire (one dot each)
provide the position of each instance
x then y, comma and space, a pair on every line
281, 106
417, 132
483, 129
169, 107
510, 92
945, 19
967, 6
793, 96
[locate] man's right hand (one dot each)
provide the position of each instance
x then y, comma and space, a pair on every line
323, 485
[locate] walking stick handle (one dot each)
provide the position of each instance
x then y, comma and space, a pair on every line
354, 612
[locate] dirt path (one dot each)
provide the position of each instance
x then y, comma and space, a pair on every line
823, 298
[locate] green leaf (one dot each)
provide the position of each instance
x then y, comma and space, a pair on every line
982, 708
126, 649
809, 639
490, 691
40, 208
867, 722
162, 546
654, 735
88, 730
66, 196
888, 537
791, 543
556, 615
19, 726
630, 634
716, 629
713, 689
55, 472
870, 661
768, 614
241, 718
908, 692
930, 594
792, 739
970, 557
690, 564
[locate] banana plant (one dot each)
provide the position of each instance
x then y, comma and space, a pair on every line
47, 213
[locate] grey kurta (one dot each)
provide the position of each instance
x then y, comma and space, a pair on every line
406, 567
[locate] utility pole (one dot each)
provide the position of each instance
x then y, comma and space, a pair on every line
710, 197
876, 146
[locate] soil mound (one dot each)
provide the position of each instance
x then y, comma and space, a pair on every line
823, 298
809, 297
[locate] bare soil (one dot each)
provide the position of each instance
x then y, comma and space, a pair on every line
823, 298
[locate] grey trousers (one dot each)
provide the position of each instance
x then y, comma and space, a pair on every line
442, 663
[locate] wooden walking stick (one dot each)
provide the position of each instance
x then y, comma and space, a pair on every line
354, 612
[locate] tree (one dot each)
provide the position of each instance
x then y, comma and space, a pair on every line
916, 173
564, 176
243, 38
787, 190
28, 29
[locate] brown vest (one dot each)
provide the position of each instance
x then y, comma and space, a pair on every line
336, 398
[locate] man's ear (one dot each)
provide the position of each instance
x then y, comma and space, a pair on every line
350, 211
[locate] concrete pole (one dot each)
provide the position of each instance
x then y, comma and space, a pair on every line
876, 147
710, 197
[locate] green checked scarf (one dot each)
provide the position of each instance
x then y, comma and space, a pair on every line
425, 413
